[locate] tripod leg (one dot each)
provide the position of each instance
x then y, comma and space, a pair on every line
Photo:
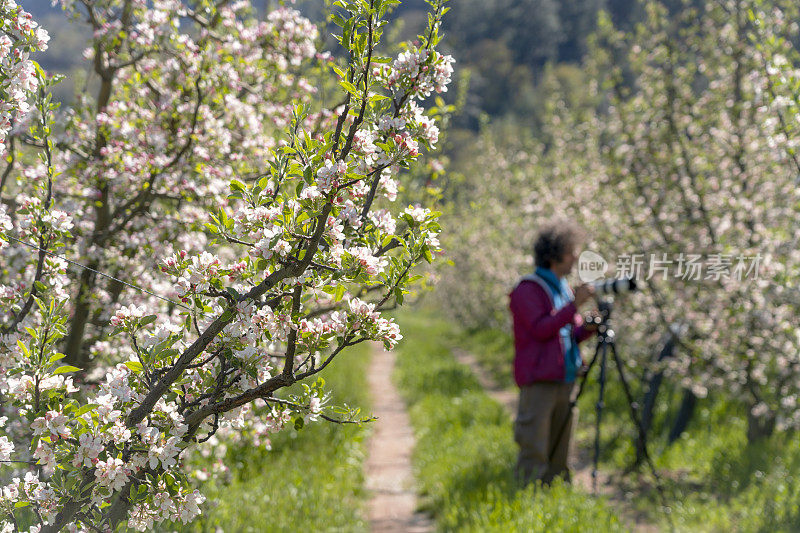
572, 404
629, 396
642, 435
602, 349
586, 376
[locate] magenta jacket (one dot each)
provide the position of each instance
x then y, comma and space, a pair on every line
539, 349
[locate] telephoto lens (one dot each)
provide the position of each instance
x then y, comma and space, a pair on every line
614, 286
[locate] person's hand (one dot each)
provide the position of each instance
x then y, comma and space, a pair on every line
583, 293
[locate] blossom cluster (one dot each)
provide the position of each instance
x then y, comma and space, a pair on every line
20, 36
421, 71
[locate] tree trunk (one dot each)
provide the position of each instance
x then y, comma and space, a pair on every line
76, 355
685, 413
649, 403
759, 426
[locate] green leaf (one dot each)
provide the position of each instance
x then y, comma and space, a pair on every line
86, 408
135, 366
387, 240
426, 253
55, 357
339, 294
336, 19
346, 31
17, 505
24, 348
349, 87
64, 369
149, 319
308, 175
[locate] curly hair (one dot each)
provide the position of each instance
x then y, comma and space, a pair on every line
556, 238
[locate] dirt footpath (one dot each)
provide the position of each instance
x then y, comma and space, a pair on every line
389, 476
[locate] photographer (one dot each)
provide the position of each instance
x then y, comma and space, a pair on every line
547, 330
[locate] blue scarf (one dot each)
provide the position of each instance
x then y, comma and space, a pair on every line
559, 290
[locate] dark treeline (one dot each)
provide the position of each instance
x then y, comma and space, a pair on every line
504, 45
508, 44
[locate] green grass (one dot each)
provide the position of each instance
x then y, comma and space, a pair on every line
465, 450
312, 480
716, 481
494, 351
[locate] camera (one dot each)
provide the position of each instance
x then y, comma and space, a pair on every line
614, 285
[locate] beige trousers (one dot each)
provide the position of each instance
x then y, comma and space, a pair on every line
543, 410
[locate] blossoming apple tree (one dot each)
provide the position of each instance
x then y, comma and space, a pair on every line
701, 167
199, 235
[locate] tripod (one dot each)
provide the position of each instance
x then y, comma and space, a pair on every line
606, 345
